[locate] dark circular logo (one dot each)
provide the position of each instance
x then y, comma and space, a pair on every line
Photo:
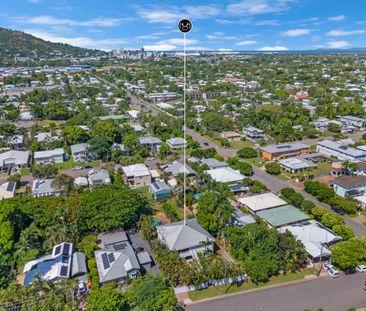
185, 25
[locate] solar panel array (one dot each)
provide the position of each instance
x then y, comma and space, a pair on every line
64, 271
119, 247
105, 261
66, 249
58, 250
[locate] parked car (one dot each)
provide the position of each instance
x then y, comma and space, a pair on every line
88, 166
337, 210
361, 268
81, 287
205, 144
331, 270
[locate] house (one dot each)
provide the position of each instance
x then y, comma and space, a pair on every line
212, 163
7, 190
225, 175
160, 190
252, 132
238, 188
45, 137
145, 260
352, 120
177, 143
79, 152
282, 151
17, 142
256, 203
14, 158
296, 165
282, 216
43, 188
137, 175
315, 237
349, 185
339, 151
81, 181
49, 156
362, 200
98, 177
188, 238
78, 268
117, 260
50, 267
177, 168
231, 136
238, 218
151, 143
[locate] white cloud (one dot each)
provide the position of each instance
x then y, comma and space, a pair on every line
342, 33
246, 42
271, 22
225, 50
146, 37
173, 14
224, 21
296, 32
254, 7
220, 36
273, 48
337, 18
50, 20
177, 42
337, 44
103, 44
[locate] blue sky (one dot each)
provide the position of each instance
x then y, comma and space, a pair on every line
217, 25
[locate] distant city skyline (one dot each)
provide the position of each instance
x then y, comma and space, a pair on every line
226, 25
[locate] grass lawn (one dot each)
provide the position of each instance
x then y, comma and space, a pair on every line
69, 164
225, 289
145, 192
25, 171
283, 177
323, 168
241, 144
257, 161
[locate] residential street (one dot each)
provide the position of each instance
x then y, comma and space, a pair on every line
329, 294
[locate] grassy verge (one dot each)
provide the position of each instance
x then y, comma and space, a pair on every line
226, 289
69, 164
25, 171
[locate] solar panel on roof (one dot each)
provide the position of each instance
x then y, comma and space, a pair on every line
105, 261
64, 271
343, 147
10, 186
157, 186
119, 247
111, 257
58, 250
66, 249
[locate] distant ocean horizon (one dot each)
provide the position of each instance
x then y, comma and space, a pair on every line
317, 51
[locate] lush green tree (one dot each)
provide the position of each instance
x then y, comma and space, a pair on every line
151, 293
64, 184
74, 134
213, 211
273, 168
345, 232
349, 254
107, 298
247, 152
44, 171
100, 147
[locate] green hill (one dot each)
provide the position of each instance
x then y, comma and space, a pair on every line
19, 44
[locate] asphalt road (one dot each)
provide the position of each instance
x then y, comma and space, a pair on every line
329, 294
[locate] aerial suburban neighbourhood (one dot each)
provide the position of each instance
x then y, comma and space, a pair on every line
174, 177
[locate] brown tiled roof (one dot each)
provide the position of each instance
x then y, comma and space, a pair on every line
350, 181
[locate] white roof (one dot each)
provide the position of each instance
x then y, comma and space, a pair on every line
225, 174
136, 170
81, 181
361, 198
49, 153
312, 235
14, 156
262, 201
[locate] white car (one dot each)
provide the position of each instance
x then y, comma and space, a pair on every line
331, 270
361, 268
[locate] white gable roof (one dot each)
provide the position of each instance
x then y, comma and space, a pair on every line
262, 201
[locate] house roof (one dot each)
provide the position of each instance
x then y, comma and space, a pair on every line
225, 174
253, 129
286, 147
79, 148
353, 152
112, 238
177, 168
282, 215
149, 140
176, 141
262, 201
78, 263
7, 190
158, 186
312, 235
213, 163
297, 163
42, 186
230, 134
49, 153
179, 236
95, 175
136, 170
14, 156
350, 181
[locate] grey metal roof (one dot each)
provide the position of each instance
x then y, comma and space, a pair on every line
180, 236
78, 264
115, 237
286, 147
177, 168
15, 157
297, 163
144, 258
42, 186
176, 141
149, 140
353, 152
159, 186
79, 148
213, 163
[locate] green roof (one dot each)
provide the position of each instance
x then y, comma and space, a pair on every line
283, 215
